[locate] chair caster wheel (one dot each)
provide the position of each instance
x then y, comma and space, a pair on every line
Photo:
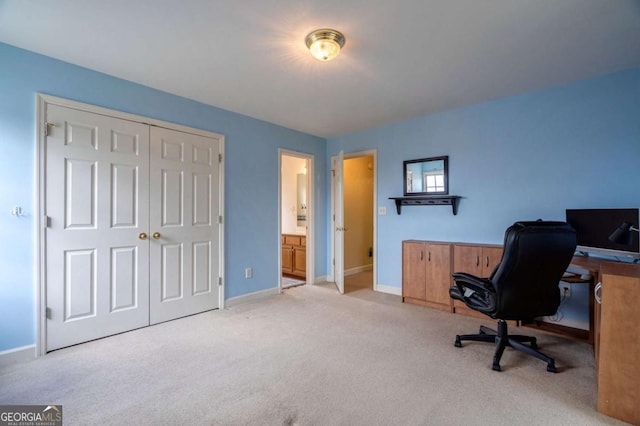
457, 343
551, 368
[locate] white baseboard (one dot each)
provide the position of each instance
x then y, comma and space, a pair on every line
22, 354
357, 270
397, 291
251, 297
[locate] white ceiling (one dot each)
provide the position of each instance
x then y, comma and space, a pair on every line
402, 58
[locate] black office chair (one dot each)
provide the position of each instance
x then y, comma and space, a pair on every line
522, 287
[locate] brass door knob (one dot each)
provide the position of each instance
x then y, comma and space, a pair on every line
156, 235
142, 236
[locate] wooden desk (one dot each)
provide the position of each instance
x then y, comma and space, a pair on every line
618, 342
614, 326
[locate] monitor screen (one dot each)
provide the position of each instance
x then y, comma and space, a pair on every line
594, 226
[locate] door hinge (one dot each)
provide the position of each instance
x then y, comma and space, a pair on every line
47, 313
219, 281
219, 158
47, 222
46, 127
220, 220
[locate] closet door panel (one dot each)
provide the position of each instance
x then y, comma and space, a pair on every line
183, 224
96, 192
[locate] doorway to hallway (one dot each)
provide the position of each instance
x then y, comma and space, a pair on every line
353, 200
358, 185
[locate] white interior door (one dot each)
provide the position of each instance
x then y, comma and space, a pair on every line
132, 232
97, 183
338, 220
184, 225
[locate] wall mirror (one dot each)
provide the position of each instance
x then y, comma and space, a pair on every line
426, 176
301, 212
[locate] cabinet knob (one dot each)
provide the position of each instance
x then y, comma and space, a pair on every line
156, 235
142, 236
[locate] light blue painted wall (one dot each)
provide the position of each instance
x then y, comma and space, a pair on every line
523, 157
251, 215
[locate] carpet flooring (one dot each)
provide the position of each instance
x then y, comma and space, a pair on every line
310, 356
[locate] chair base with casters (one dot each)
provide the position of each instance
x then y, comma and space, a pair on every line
502, 339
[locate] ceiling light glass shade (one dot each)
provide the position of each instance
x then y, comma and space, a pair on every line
324, 45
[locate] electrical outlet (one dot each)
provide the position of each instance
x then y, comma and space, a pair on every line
248, 272
566, 291
382, 211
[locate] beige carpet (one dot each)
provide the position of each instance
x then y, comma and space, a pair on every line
311, 357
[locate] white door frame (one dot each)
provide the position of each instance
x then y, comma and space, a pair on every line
42, 101
368, 153
310, 250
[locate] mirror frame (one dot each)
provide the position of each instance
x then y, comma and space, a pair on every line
405, 163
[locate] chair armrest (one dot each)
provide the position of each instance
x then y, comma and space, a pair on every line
477, 293
472, 282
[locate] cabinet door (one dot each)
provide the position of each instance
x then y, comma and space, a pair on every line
287, 259
413, 270
476, 260
618, 369
468, 259
438, 273
300, 261
491, 257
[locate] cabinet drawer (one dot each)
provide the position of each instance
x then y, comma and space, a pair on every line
292, 240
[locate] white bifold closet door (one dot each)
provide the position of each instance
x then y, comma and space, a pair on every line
184, 224
132, 234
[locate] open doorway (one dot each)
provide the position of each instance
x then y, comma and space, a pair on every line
353, 200
296, 233
358, 221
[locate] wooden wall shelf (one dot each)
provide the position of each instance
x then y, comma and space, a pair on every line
430, 200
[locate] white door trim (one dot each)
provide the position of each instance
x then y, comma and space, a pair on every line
367, 153
310, 251
42, 100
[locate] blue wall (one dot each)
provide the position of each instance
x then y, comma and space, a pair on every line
251, 204
523, 157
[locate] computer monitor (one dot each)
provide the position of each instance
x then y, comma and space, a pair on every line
595, 226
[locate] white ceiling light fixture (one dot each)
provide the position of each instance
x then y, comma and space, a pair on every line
325, 44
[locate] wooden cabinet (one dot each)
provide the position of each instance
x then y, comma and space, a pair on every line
476, 259
426, 273
618, 344
294, 255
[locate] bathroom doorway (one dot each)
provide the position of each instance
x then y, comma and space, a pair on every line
296, 219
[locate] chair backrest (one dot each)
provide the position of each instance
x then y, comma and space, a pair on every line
536, 255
